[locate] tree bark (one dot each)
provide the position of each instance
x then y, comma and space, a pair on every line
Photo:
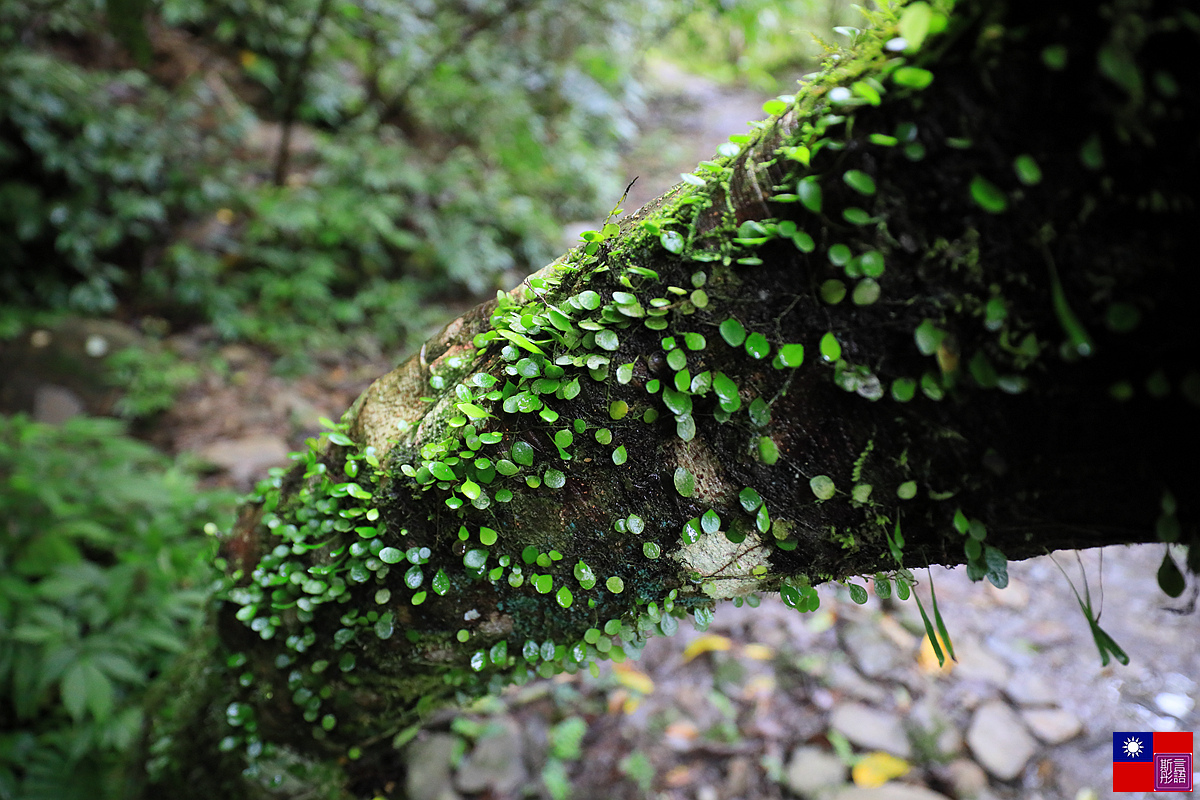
941, 310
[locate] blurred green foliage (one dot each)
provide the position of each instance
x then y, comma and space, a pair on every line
104, 577
433, 150
765, 43
436, 149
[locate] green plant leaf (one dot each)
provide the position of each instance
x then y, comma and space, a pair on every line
520, 340
831, 349
1027, 169
937, 618
823, 487
726, 391
791, 355
929, 631
607, 340
760, 413
809, 191
732, 332
750, 499
997, 566
859, 181
914, 24
912, 77
988, 196
1170, 579
757, 345
685, 482
671, 241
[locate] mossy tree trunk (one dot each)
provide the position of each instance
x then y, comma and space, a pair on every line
941, 310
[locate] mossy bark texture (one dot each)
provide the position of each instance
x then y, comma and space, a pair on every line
941, 309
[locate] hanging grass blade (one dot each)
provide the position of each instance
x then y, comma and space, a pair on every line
933, 637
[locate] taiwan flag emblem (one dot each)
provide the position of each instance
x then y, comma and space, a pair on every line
1152, 762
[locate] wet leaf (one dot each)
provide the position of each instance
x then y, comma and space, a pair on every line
672, 241
685, 482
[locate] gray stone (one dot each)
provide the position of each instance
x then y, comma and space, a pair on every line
998, 740
1052, 725
975, 662
874, 654
249, 457
811, 769
429, 768
968, 778
1173, 703
495, 763
1030, 689
55, 404
889, 791
846, 679
871, 729
928, 721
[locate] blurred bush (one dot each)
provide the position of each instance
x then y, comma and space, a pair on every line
104, 577
433, 151
765, 43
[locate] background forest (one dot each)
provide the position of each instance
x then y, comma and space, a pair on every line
219, 225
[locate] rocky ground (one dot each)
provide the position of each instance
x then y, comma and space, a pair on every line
846, 703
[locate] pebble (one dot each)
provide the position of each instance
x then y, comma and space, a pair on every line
999, 741
249, 457
871, 729
889, 791
975, 662
968, 778
874, 654
1177, 705
811, 769
428, 762
494, 764
940, 732
1052, 725
1030, 689
844, 678
55, 405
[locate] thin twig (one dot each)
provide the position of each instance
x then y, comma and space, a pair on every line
291, 94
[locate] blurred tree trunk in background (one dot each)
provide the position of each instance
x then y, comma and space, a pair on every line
940, 310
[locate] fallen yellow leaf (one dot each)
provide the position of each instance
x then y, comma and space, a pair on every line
247, 58
224, 216
706, 644
876, 769
633, 678
758, 686
758, 652
678, 776
683, 730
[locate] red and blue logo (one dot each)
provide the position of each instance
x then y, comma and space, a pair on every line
1152, 762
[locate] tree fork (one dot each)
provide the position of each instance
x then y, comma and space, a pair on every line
940, 310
